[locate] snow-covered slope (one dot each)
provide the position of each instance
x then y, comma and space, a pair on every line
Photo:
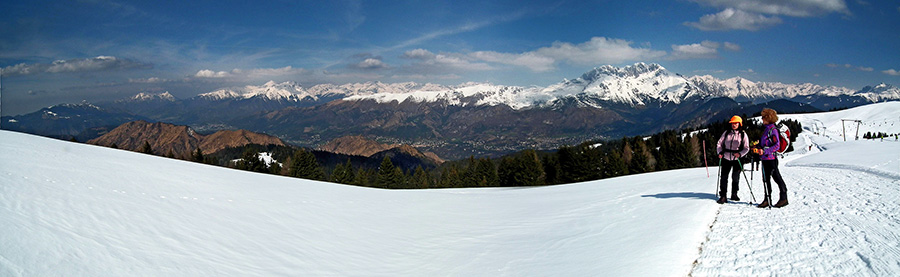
75, 209
880, 117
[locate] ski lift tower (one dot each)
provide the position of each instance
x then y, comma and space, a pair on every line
857, 121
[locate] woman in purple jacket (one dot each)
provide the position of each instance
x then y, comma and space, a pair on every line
732, 145
769, 143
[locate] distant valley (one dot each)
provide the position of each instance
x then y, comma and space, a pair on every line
455, 122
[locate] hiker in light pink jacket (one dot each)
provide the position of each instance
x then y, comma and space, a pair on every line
732, 145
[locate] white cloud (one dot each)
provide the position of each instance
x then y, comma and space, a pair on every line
426, 77
428, 61
206, 73
371, 63
420, 54
750, 15
270, 72
703, 50
732, 46
100, 63
151, 80
732, 19
796, 8
599, 50
891, 72
251, 73
531, 60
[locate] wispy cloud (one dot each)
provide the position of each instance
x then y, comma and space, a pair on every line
751, 15
467, 27
599, 50
426, 61
703, 50
250, 73
732, 19
100, 63
795, 8
850, 66
892, 72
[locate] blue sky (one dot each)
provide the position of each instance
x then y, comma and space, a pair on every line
67, 51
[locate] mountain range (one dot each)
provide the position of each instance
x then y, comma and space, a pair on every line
470, 118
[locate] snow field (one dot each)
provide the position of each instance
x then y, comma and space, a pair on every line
74, 209
80, 210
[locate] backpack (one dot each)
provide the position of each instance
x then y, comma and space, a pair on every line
784, 135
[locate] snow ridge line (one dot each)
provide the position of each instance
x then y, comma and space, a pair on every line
700, 249
880, 173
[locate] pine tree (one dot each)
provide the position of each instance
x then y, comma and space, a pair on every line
343, 173
275, 168
250, 161
420, 179
551, 169
363, 178
485, 173
579, 163
639, 161
615, 165
523, 169
388, 176
304, 165
450, 177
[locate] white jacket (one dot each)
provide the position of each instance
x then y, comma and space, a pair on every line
730, 142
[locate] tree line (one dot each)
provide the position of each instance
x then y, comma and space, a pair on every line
590, 160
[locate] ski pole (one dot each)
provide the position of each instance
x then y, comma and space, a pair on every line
748, 181
718, 176
704, 159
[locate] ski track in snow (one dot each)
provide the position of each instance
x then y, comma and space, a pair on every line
838, 222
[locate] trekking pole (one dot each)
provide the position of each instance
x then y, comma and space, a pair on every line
718, 176
748, 181
704, 159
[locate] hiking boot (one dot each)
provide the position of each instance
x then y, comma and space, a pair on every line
764, 204
781, 203
734, 197
722, 200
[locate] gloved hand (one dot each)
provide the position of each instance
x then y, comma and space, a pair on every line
757, 151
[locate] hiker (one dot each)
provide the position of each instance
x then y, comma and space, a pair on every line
732, 145
768, 146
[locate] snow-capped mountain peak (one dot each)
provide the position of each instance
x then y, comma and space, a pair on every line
146, 96
286, 91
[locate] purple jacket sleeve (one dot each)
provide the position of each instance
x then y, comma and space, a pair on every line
770, 142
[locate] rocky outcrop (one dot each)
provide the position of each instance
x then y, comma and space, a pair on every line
165, 138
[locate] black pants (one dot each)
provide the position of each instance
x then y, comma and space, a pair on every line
735, 168
770, 171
